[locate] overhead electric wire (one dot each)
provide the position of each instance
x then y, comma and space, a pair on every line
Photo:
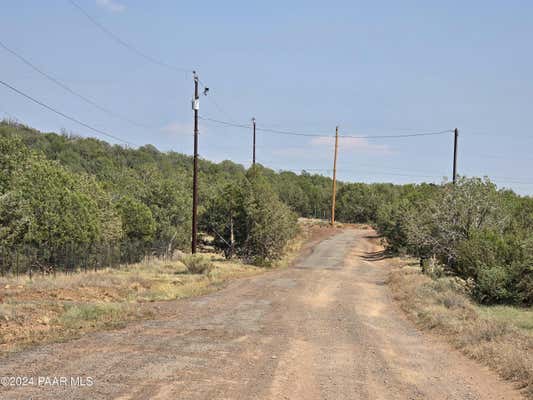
507, 180
219, 108
215, 103
65, 115
73, 92
305, 134
501, 179
364, 173
504, 181
399, 136
141, 54
225, 123
376, 172
268, 164
127, 45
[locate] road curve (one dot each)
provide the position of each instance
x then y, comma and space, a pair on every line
323, 329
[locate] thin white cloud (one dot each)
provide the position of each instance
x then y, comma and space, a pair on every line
179, 129
353, 144
294, 152
111, 5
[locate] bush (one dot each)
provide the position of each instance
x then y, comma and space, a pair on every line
79, 315
494, 285
356, 202
248, 219
197, 264
475, 231
500, 265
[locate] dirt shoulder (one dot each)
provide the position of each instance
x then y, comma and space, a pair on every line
493, 338
58, 308
326, 328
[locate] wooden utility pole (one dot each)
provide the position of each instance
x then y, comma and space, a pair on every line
334, 176
253, 159
455, 139
195, 107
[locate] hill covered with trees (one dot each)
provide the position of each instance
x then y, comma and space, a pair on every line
472, 230
68, 202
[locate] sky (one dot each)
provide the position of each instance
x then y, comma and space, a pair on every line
371, 68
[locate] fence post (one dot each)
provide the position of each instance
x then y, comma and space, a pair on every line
17, 263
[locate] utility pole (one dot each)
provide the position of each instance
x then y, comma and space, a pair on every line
195, 107
253, 159
455, 139
334, 176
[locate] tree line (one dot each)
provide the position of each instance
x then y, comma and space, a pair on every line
68, 202
472, 230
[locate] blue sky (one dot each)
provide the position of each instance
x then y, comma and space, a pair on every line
373, 68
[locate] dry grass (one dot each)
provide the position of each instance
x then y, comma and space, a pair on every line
498, 338
65, 306
197, 263
521, 318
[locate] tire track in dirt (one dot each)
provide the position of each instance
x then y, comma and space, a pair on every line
326, 328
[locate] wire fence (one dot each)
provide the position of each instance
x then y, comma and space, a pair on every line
34, 261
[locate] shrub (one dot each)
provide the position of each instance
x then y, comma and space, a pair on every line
250, 220
500, 264
475, 231
197, 264
79, 315
494, 285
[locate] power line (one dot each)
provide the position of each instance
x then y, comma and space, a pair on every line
367, 169
500, 179
248, 126
215, 103
219, 108
504, 181
359, 136
71, 91
508, 180
305, 134
364, 173
225, 123
65, 115
127, 45
140, 53
357, 169
371, 171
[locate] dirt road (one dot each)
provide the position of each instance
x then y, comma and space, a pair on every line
324, 329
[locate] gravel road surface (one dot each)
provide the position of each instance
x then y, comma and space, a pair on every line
325, 328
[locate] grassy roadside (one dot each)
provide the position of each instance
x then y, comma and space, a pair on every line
499, 337
50, 309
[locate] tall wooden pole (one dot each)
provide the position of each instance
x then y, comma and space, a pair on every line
455, 139
253, 156
195, 107
334, 176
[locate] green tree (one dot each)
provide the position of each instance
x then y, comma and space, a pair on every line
137, 220
249, 219
51, 209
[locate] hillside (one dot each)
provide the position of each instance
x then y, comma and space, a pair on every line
125, 202
70, 202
